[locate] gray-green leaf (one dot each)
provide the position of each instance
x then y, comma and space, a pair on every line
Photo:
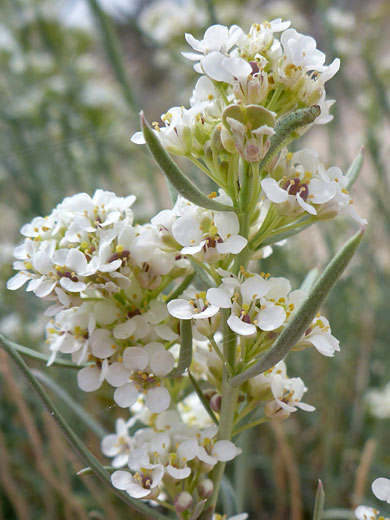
176, 177
305, 315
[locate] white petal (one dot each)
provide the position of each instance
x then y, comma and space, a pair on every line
224, 451
304, 205
210, 311
42, 262
110, 445
105, 312
135, 358
102, 343
213, 68
273, 191
205, 457
178, 473
321, 192
45, 288
120, 460
71, 286
121, 479
227, 223
88, 379
187, 449
125, 330
234, 244
76, 261
126, 395
180, 309
17, 281
138, 138
304, 406
271, 318
253, 288
325, 343
381, 489
117, 374
238, 67
186, 231
219, 298
157, 399
240, 327
135, 490
162, 363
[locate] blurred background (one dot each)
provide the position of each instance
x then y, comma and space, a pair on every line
73, 77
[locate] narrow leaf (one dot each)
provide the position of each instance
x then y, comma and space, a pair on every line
73, 439
319, 502
176, 177
355, 167
185, 355
306, 313
79, 412
202, 398
35, 354
86, 472
285, 127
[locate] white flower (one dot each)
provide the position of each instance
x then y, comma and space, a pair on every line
381, 489
211, 452
196, 308
185, 452
366, 513
249, 307
308, 187
142, 483
210, 233
260, 38
140, 372
217, 42
117, 445
288, 393
378, 401
319, 335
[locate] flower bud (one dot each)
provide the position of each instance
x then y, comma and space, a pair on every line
183, 502
215, 402
216, 139
205, 488
208, 326
274, 411
208, 393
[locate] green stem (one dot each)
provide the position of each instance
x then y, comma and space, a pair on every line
219, 354
70, 435
250, 425
114, 55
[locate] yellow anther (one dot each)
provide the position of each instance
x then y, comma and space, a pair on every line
28, 265
212, 195
202, 295
289, 156
245, 307
113, 347
119, 248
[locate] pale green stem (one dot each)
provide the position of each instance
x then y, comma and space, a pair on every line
229, 394
220, 355
250, 425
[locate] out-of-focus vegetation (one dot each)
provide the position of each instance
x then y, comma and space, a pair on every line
72, 79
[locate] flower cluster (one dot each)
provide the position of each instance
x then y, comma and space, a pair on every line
170, 456
104, 276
